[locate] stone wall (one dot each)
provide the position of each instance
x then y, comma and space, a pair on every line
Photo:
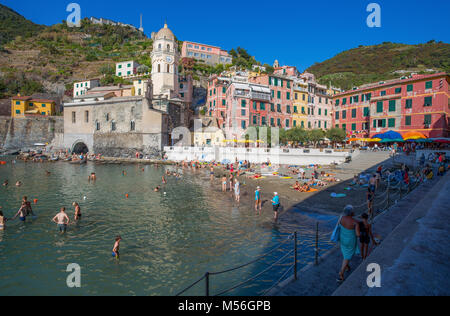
20, 133
126, 144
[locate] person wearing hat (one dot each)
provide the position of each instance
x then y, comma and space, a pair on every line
348, 237
276, 205
258, 201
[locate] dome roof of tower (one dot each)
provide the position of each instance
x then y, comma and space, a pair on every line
165, 33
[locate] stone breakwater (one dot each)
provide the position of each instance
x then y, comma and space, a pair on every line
23, 133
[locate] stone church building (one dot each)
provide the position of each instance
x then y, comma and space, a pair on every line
103, 123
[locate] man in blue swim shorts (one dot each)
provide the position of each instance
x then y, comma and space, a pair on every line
62, 220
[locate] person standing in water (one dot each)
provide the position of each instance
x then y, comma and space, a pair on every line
3, 220
237, 190
224, 183
258, 201
115, 251
276, 205
62, 220
211, 173
77, 211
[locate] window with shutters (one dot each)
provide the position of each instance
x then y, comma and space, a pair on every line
408, 120
428, 101
392, 106
391, 122
379, 106
408, 104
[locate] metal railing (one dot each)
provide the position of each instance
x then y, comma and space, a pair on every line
207, 276
393, 194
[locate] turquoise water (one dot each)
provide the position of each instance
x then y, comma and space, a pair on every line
169, 240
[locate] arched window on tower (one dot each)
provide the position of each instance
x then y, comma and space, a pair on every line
159, 68
168, 47
159, 46
168, 68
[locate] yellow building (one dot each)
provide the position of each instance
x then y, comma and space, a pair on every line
300, 115
21, 106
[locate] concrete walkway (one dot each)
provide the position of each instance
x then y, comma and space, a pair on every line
415, 258
321, 280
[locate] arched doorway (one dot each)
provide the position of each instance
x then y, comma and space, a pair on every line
80, 148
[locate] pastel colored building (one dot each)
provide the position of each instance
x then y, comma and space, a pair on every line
281, 104
300, 113
211, 55
417, 103
247, 104
81, 88
319, 104
216, 103
28, 106
126, 68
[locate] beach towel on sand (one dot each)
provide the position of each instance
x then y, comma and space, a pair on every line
336, 195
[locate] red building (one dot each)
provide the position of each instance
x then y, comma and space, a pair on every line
417, 103
281, 105
216, 99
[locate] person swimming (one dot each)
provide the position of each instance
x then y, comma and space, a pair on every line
5, 183
18, 183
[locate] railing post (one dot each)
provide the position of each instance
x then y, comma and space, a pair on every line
317, 245
207, 283
295, 255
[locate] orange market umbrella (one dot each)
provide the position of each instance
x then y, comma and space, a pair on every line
413, 135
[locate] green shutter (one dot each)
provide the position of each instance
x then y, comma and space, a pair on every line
409, 88
337, 115
383, 123
392, 106
354, 127
374, 123
391, 122
366, 111
353, 113
427, 119
429, 85
408, 120
398, 90
344, 114
408, 104
379, 106
428, 101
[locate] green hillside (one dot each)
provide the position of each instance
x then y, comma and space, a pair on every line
367, 64
13, 24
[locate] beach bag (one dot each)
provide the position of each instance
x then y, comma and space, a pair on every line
336, 232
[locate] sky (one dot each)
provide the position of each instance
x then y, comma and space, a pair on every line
297, 33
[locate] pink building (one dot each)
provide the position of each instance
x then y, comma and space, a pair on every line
216, 106
419, 103
320, 104
281, 104
211, 55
